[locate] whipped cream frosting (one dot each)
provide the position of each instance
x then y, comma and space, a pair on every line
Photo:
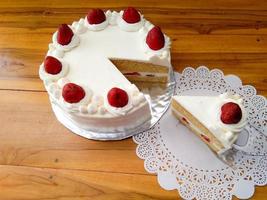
75, 40
88, 61
225, 98
53, 51
53, 77
79, 26
96, 27
160, 56
135, 97
112, 17
207, 109
127, 26
75, 106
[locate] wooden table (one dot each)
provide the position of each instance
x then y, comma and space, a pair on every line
40, 159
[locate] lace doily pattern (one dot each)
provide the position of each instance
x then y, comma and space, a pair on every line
250, 167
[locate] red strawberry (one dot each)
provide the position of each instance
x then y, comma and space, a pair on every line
155, 38
131, 15
52, 65
96, 16
73, 93
64, 34
231, 113
205, 138
117, 97
132, 74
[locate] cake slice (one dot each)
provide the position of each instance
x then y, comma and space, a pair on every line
216, 120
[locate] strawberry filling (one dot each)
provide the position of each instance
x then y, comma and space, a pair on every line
150, 75
132, 74
205, 138
185, 120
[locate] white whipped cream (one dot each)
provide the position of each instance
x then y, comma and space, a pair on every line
128, 26
102, 110
112, 17
83, 109
47, 78
96, 27
161, 53
225, 98
138, 99
82, 102
75, 40
79, 27
92, 108
135, 97
98, 100
53, 51
53, 90
63, 81
118, 111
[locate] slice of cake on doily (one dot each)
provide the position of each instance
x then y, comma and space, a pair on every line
217, 120
90, 65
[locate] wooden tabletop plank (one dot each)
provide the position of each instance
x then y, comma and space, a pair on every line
181, 43
43, 183
36, 183
190, 4
203, 21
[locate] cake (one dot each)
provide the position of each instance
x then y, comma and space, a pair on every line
91, 68
217, 120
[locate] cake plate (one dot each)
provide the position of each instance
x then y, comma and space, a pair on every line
158, 96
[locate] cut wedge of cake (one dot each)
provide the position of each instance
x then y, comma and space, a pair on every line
216, 120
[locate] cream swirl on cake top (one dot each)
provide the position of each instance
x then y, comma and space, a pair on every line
227, 133
65, 39
130, 20
50, 63
233, 127
128, 98
96, 20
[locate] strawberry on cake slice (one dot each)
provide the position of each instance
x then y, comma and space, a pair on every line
217, 120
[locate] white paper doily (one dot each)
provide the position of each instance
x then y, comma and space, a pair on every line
181, 161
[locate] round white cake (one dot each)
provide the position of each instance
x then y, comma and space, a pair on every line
83, 82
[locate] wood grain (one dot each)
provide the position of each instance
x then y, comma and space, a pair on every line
40, 159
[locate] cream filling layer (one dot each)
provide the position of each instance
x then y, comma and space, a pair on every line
144, 74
